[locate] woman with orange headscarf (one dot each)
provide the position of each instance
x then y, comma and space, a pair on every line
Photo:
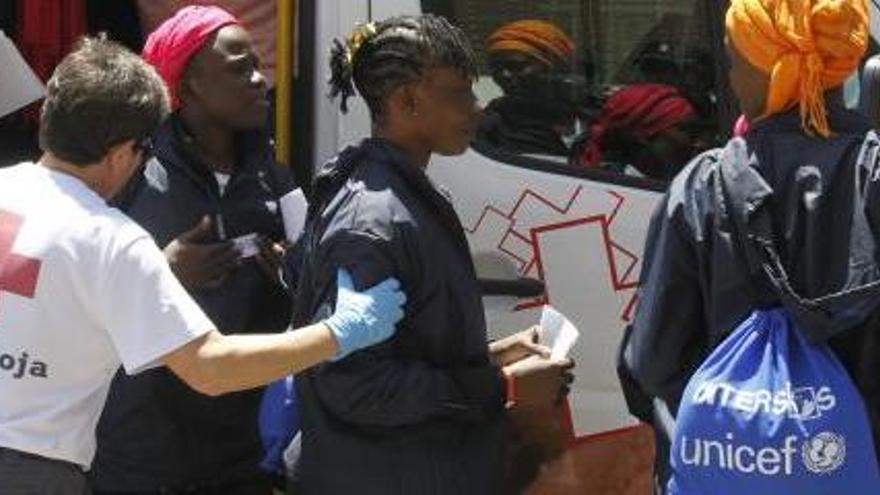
805, 164
529, 60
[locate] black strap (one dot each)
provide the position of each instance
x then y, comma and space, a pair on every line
819, 318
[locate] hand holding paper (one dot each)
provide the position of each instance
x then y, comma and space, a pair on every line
541, 374
517, 347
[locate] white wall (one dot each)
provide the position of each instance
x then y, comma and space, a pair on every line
382, 9
335, 19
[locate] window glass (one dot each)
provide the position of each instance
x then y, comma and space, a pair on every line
626, 86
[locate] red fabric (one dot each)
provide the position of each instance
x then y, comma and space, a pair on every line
640, 111
47, 31
171, 46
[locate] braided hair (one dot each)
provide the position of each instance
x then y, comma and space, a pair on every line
378, 58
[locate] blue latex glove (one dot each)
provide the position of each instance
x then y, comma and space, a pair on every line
363, 319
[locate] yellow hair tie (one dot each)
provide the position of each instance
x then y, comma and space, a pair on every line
361, 34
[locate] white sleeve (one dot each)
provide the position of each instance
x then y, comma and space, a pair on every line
146, 311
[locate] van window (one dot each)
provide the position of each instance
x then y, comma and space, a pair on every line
623, 86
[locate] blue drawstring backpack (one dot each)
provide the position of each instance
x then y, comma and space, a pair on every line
772, 411
278, 423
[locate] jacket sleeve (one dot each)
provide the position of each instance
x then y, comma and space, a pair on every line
374, 387
658, 352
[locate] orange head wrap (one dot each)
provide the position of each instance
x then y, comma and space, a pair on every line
805, 46
539, 40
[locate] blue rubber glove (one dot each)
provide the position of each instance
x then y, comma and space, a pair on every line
363, 319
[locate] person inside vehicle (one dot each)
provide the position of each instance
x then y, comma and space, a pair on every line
529, 60
426, 412
787, 68
211, 179
656, 63
643, 131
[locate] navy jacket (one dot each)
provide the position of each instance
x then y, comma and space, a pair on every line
423, 413
697, 286
155, 431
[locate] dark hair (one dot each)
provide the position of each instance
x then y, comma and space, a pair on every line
378, 58
99, 96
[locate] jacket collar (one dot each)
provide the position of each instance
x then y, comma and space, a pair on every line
337, 171
748, 187
175, 147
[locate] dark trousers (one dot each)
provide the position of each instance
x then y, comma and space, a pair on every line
28, 474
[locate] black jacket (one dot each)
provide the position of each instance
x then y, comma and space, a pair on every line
696, 283
421, 414
525, 125
155, 431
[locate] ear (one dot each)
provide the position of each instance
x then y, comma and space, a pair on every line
188, 87
405, 100
119, 156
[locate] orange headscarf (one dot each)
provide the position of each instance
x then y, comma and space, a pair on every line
805, 46
540, 40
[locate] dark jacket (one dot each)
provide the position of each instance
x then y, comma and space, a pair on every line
525, 125
155, 431
696, 284
422, 413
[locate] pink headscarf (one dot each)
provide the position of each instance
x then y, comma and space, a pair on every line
171, 46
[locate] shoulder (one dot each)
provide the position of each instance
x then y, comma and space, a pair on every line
361, 207
107, 232
692, 195
697, 179
371, 199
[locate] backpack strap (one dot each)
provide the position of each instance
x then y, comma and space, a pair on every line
751, 221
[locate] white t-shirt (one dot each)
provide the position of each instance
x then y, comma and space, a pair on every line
83, 289
222, 181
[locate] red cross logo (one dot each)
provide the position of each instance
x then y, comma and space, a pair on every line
18, 274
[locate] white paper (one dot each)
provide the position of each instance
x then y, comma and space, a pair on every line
294, 207
247, 245
559, 334
19, 86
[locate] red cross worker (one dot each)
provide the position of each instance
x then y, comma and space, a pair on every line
85, 290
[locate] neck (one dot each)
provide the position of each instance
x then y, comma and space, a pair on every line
215, 142
418, 153
89, 174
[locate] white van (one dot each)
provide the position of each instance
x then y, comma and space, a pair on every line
542, 229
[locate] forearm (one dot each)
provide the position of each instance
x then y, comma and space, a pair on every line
218, 364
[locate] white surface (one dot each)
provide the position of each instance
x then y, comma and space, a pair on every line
383, 9
581, 232
19, 86
294, 207
558, 333
333, 130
